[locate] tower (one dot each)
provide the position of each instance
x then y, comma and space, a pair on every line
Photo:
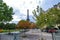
28, 15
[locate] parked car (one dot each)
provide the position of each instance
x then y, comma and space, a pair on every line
53, 30
50, 30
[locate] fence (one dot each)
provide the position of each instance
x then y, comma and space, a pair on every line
9, 37
33, 34
17, 36
56, 36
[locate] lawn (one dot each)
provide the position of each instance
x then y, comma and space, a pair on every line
3, 30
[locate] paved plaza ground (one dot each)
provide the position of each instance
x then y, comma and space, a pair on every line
30, 35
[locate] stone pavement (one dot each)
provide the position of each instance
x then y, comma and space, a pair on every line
37, 34
47, 36
31, 35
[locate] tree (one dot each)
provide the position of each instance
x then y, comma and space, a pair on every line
53, 16
56, 13
32, 25
2, 25
50, 17
10, 26
6, 12
23, 24
13, 26
39, 16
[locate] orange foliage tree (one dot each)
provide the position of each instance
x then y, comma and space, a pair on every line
23, 24
32, 26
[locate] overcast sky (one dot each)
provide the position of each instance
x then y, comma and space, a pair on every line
20, 7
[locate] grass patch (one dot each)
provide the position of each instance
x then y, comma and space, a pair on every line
3, 31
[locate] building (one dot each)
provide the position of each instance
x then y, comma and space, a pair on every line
57, 5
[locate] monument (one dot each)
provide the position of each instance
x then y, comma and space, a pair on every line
28, 15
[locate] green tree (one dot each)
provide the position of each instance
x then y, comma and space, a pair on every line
6, 12
53, 16
39, 16
49, 18
13, 26
56, 13
2, 25
10, 26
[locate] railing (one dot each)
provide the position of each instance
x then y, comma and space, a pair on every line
56, 36
17, 36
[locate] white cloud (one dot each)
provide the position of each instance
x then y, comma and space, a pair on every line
22, 6
16, 18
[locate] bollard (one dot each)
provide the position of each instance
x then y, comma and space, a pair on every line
15, 37
0, 37
52, 36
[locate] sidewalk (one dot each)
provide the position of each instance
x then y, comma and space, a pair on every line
47, 36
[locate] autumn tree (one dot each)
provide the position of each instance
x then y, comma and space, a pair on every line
32, 25
23, 24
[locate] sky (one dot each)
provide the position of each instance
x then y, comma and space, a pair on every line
20, 7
